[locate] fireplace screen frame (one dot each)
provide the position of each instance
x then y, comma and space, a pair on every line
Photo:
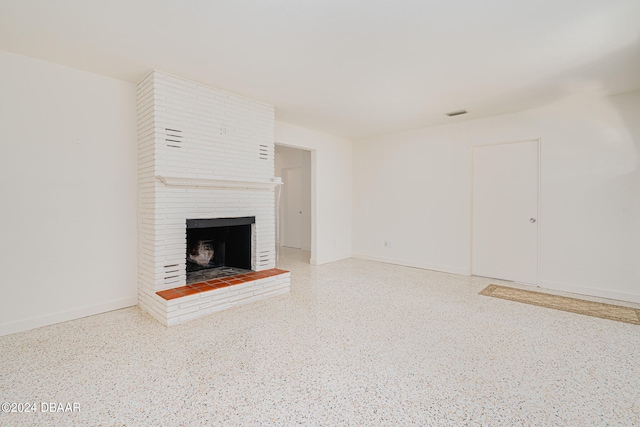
229, 241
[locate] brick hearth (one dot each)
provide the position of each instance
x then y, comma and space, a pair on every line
201, 298
219, 283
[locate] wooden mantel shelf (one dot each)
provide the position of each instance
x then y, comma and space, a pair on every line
218, 183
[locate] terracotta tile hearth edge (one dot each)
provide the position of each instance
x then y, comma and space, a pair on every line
218, 283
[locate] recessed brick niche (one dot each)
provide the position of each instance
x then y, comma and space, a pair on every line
203, 154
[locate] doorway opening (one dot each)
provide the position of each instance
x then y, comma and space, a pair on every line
294, 235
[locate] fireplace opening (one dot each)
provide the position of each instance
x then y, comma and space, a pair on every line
218, 247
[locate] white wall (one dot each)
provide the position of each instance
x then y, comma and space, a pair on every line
287, 157
330, 190
413, 189
68, 191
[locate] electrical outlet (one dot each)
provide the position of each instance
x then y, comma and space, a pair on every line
387, 244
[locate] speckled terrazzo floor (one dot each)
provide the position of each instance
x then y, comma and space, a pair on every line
355, 343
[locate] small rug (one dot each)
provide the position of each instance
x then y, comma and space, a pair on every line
573, 305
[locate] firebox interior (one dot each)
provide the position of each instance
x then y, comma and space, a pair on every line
218, 243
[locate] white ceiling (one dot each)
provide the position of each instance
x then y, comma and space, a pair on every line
348, 67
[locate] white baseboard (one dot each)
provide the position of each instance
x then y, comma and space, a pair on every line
594, 292
64, 316
320, 261
424, 266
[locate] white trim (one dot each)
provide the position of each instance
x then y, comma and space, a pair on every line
217, 183
314, 207
471, 189
64, 316
423, 266
506, 142
595, 292
539, 228
320, 261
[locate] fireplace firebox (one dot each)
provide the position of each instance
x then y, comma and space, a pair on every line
218, 247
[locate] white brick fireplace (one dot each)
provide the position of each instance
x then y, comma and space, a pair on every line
202, 154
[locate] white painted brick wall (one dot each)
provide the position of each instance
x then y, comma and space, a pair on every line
222, 136
190, 307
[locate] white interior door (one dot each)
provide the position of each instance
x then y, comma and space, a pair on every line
505, 212
292, 208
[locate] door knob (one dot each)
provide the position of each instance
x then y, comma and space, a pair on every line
532, 220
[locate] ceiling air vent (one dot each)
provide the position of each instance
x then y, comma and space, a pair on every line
457, 113
173, 138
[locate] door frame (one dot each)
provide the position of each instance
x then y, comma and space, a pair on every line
539, 227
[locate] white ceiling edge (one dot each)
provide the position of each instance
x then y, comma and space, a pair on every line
350, 69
